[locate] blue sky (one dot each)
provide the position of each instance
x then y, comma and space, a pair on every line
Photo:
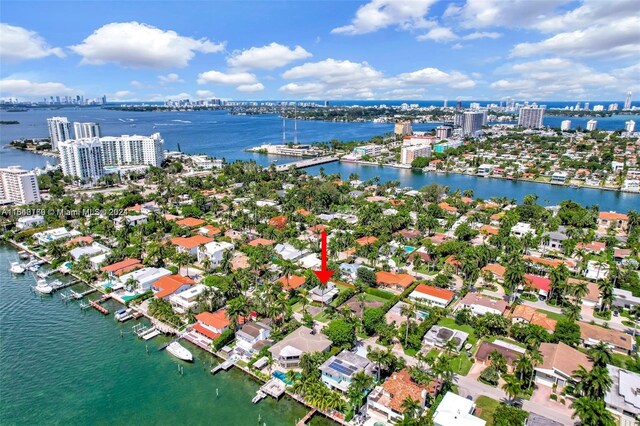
381, 49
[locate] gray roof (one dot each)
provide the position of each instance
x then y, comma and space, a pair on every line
625, 390
538, 420
304, 340
345, 364
558, 236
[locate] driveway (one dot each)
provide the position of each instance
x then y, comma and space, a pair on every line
540, 398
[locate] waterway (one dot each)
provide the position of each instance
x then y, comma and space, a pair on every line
219, 134
60, 365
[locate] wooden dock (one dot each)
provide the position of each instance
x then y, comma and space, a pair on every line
99, 307
306, 418
224, 366
77, 295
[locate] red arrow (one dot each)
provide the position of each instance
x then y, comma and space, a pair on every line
324, 275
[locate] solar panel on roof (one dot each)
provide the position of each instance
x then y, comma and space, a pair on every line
341, 368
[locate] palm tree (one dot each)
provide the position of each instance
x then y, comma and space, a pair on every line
593, 384
511, 387
411, 406
634, 312
523, 367
601, 354
409, 311
592, 412
572, 312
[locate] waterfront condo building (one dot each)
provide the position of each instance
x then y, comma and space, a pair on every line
59, 131
19, 186
134, 149
410, 153
565, 125
86, 130
443, 132
403, 128
531, 117
630, 126
82, 159
591, 125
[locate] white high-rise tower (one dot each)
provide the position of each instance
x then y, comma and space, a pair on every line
58, 131
86, 130
627, 102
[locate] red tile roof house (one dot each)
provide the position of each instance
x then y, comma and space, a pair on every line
190, 244
429, 295
190, 222
278, 222
480, 305
212, 325
171, 284
122, 267
618, 221
542, 284
210, 230
261, 242
291, 282
394, 282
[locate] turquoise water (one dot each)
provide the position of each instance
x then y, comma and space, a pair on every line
61, 365
409, 249
282, 376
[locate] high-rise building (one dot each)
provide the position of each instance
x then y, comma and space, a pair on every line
613, 107
472, 122
445, 104
82, 158
403, 128
565, 125
104, 99
410, 153
531, 117
474, 105
58, 131
627, 102
586, 106
591, 125
86, 130
19, 186
598, 108
134, 149
443, 132
630, 126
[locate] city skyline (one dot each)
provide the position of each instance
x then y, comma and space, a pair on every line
378, 50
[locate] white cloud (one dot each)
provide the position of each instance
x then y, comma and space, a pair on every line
230, 79
19, 44
137, 45
589, 13
333, 78
267, 57
256, 87
203, 94
121, 95
29, 89
417, 93
379, 14
457, 46
178, 96
512, 13
136, 84
439, 35
170, 78
557, 77
613, 40
482, 34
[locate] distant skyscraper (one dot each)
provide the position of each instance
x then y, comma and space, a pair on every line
591, 125
630, 126
459, 105
104, 100
598, 108
565, 125
82, 159
531, 117
58, 130
586, 106
627, 102
445, 103
403, 128
474, 105
577, 108
613, 107
86, 130
472, 122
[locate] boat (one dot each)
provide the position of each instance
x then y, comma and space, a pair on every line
56, 284
16, 268
123, 315
42, 287
179, 351
33, 268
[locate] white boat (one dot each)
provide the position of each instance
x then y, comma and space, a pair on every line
34, 268
16, 268
179, 351
123, 315
56, 284
43, 287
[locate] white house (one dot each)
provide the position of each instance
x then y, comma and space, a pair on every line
187, 300
145, 277
623, 399
27, 222
596, 270
251, 338
338, 370
480, 305
324, 294
214, 251
92, 250
429, 295
520, 229
559, 177
45, 237
559, 361
288, 252
455, 410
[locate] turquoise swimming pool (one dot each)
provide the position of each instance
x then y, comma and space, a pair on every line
282, 376
409, 249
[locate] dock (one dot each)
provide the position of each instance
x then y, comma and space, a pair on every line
274, 387
99, 307
77, 295
310, 162
259, 396
144, 332
306, 418
224, 366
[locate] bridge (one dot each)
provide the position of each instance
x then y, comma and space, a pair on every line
309, 162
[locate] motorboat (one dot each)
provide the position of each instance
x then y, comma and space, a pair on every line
56, 284
123, 315
16, 268
34, 267
180, 352
43, 287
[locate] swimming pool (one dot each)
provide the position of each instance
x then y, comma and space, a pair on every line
409, 249
282, 376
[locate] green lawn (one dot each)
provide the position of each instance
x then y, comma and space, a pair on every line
450, 323
488, 407
505, 339
553, 315
461, 364
322, 317
373, 298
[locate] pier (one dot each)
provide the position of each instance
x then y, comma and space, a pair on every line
96, 304
307, 163
77, 295
224, 366
274, 387
306, 418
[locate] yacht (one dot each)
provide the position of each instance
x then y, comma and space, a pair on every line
179, 351
16, 268
123, 315
43, 287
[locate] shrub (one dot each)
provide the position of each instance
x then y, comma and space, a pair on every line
224, 338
